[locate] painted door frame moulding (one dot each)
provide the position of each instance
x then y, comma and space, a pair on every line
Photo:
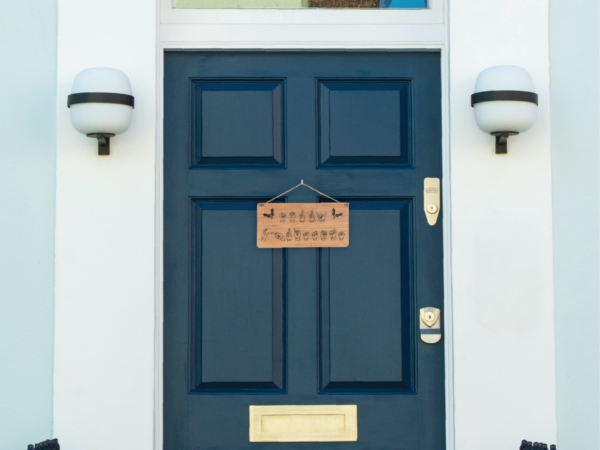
194, 36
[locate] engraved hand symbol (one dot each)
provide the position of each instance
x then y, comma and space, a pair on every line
315, 235
282, 217
297, 234
306, 235
341, 235
302, 216
270, 216
332, 234
292, 216
321, 217
311, 217
288, 235
323, 235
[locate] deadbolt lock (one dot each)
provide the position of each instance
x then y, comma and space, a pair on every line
429, 317
431, 199
431, 331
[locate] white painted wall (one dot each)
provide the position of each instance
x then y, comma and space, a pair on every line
575, 95
501, 222
104, 357
27, 187
502, 237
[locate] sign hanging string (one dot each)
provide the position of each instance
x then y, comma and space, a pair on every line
306, 185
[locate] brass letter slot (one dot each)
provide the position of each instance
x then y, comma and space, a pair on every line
303, 423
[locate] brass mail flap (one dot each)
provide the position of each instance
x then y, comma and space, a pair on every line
303, 423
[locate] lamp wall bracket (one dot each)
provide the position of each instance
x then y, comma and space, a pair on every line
103, 142
502, 140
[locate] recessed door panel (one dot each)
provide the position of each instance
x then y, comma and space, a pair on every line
366, 343
238, 302
365, 122
237, 123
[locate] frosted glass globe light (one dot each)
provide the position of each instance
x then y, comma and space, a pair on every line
504, 102
101, 104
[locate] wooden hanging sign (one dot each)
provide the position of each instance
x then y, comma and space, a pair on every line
284, 225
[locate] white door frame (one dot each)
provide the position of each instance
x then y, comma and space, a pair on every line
222, 30
501, 214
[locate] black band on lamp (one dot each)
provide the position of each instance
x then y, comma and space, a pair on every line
506, 96
100, 97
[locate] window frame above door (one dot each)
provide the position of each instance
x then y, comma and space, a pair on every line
309, 26
432, 14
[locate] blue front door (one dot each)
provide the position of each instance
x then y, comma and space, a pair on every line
247, 326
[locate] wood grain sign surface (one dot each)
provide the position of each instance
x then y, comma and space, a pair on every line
302, 225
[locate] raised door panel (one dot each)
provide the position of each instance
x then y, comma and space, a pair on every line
237, 123
366, 339
238, 302
365, 122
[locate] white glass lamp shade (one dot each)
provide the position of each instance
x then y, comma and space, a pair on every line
506, 115
101, 117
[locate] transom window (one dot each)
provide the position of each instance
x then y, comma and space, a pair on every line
297, 4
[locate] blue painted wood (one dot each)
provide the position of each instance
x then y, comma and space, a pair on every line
363, 305
256, 357
365, 122
247, 326
237, 123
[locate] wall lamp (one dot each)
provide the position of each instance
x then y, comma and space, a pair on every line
505, 103
101, 104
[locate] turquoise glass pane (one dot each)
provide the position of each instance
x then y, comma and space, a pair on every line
408, 4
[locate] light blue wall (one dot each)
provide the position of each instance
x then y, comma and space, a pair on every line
27, 193
575, 106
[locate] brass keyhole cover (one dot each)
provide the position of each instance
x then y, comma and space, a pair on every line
429, 316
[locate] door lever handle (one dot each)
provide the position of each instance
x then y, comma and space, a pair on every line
431, 199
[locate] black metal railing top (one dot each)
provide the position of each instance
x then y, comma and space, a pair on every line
50, 444
527, 445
